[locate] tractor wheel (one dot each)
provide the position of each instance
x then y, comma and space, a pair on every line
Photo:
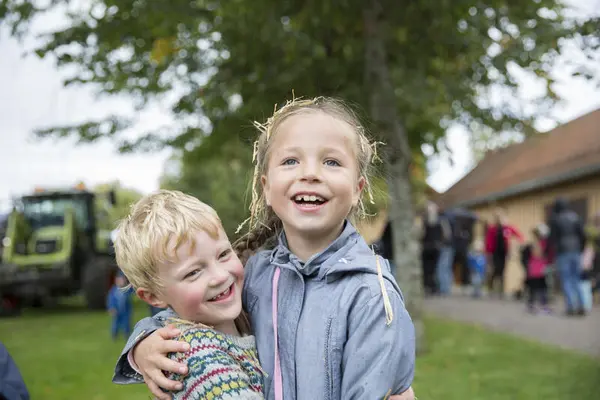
9, 306
96, 283
38, 302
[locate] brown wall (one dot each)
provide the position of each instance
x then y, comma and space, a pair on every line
528, 210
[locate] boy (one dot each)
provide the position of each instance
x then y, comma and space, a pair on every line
119, 306
477, 264
175, 253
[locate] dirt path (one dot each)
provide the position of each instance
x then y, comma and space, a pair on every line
576, 333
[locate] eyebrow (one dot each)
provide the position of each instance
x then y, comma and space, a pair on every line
190, 263
326, 150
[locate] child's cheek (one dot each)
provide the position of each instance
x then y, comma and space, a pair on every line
237, 270
194, 298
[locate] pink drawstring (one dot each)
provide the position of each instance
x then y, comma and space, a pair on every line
277, 381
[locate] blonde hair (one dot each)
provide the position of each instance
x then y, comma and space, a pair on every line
263, 224
146, 237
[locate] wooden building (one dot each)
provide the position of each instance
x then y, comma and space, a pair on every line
525, 179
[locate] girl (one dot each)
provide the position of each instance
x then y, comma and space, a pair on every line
535, 259
328, 316
497, 245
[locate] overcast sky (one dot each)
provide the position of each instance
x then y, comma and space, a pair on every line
32, 96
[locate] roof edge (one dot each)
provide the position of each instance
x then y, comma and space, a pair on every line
531, 185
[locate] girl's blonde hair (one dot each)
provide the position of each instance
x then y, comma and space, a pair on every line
263, 224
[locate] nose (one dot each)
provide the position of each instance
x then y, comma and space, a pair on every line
219, 276
311, 171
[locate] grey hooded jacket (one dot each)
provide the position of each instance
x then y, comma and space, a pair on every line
333, 333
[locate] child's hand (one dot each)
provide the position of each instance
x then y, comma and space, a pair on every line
150, 356
408, 395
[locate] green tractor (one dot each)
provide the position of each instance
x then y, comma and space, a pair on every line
57, 243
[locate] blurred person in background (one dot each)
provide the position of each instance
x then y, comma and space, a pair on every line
497, 247
120, 307
590, 262
567, 241
535, 260
444, 273
593, 239
477, 261
431, 245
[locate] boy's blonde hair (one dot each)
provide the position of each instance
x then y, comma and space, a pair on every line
263, 224
155, 229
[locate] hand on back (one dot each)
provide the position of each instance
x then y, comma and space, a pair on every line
408, 395
151, 358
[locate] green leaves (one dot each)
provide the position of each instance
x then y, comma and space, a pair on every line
446, 59
217, 181
87, 132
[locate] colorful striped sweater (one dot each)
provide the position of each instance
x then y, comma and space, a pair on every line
221, 367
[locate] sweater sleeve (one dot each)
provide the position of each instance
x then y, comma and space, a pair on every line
213, 371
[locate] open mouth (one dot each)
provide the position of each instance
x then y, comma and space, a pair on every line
224, 295
309, 199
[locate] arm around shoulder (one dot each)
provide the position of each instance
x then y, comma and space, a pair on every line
124, 372
378, 359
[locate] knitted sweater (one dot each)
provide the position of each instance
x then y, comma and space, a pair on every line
221, 367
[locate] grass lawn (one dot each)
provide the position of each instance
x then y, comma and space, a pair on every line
468, 362
67, 354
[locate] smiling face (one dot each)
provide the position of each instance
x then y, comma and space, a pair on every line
312, 180
203, 284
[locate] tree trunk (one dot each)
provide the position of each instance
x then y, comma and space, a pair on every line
397, 158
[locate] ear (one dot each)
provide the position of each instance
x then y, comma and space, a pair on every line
150, 298
265, 187
360, 185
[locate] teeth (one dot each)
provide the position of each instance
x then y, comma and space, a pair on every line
222, 294
305, 197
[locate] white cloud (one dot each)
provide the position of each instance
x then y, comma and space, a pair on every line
32, 97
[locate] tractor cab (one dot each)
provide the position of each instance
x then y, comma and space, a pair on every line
57, 242
50, 212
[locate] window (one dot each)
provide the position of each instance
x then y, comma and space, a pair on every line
50, 211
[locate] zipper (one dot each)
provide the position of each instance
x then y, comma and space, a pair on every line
328, 374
